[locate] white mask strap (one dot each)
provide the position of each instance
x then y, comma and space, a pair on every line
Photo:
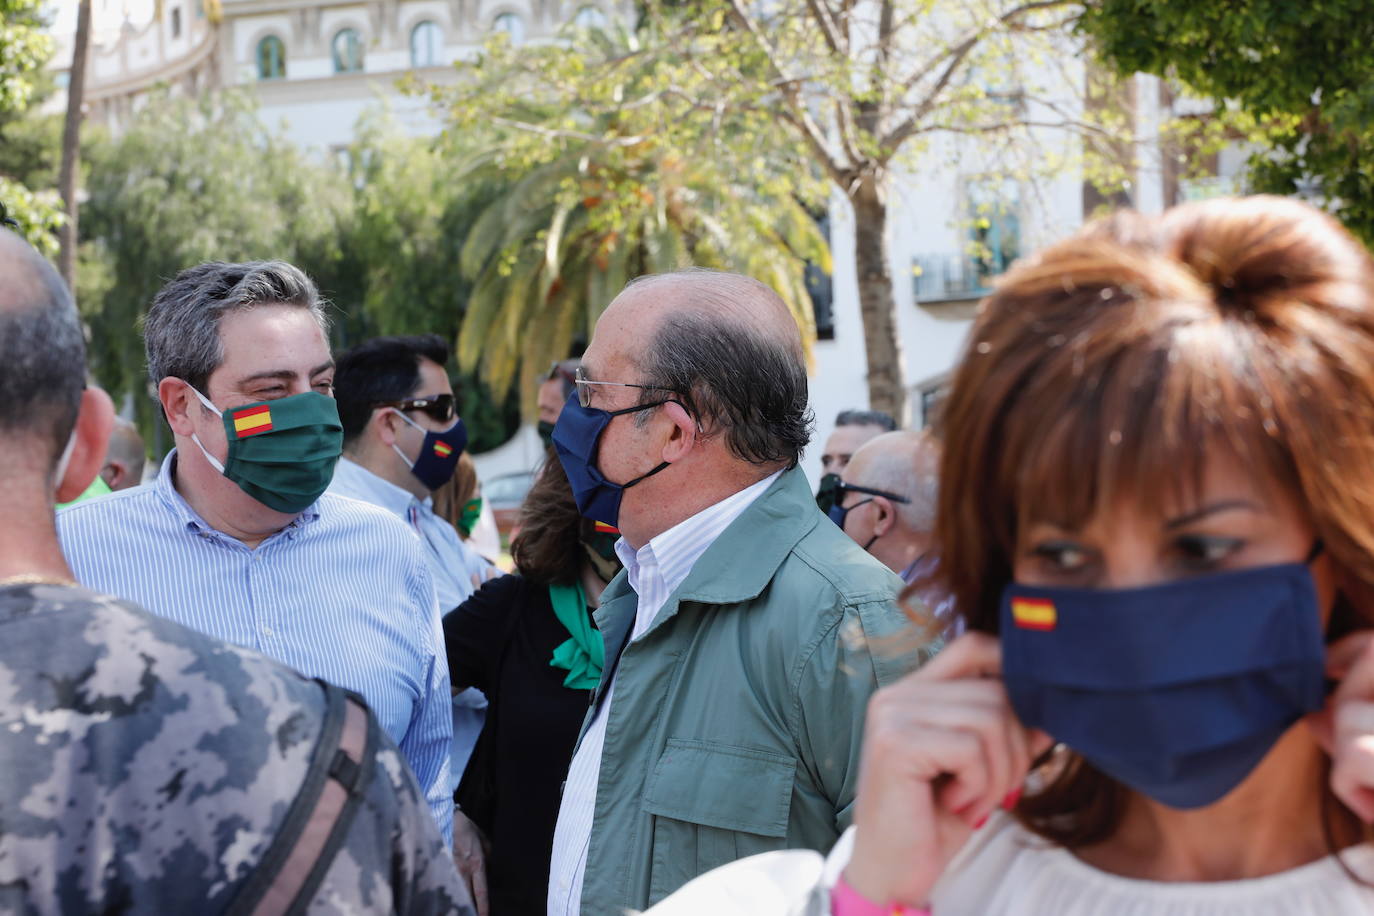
410, 465
214, 462
407, 419
65, 459
204, 400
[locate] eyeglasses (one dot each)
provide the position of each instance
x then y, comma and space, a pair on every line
832, 492
439, 406
584, 391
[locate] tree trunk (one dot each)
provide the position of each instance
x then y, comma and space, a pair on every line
877, 305
71, 146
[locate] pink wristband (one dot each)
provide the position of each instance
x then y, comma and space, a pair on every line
845, 901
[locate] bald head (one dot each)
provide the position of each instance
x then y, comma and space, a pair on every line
906, 463
42, 352
730, 350
727, 298
27, 281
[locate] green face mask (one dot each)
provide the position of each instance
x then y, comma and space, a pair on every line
282, 453
467, 519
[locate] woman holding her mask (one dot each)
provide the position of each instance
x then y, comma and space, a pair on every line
1157, 518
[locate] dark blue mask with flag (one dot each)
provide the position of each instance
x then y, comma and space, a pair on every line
575, 439
1176, 690
439, 453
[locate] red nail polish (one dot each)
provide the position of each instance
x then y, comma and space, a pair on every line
1012, 798
981, 821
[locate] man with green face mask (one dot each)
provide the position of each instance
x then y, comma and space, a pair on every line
237, 537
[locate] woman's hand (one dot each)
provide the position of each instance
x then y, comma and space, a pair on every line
1346, 726
942, 750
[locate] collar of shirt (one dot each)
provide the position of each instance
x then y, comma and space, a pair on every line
661, 565
352, 479
181, 509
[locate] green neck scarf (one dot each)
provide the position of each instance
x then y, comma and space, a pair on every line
584, 654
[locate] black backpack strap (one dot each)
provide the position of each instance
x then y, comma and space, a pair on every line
317, 822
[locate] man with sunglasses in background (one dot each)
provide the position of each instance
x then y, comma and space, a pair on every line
238, 539
402, 438
886, 500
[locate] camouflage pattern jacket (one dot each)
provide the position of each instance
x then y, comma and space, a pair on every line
146, 768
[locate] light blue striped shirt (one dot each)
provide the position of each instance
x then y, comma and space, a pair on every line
342, 593
655, 571
452, 564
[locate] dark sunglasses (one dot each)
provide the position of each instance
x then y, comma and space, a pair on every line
832, 492
439, 407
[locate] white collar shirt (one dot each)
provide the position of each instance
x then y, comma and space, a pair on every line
655, 571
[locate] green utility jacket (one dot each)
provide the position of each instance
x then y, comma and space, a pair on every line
737, 717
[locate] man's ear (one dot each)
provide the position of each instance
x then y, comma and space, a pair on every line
94, 422
386, 422
178, 401
887, 515
683, 435
113, 474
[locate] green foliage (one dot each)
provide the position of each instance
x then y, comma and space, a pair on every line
1303, 72
25, 47
608, 169
397, 273
187, 182
37, 213
743, 111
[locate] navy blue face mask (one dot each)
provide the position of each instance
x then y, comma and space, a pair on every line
439, 453
1176, 690
575, 437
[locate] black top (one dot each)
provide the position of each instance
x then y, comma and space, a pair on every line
508, 626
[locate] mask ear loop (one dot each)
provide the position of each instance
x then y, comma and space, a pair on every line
214, 462
410, 465
617, 413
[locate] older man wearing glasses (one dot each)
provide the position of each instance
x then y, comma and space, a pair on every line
740, 641
238, 538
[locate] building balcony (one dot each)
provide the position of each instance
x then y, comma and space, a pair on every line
948, 277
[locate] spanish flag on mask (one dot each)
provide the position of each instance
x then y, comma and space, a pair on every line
1034, 613
252, 421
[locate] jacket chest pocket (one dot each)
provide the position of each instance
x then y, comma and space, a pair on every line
712, 804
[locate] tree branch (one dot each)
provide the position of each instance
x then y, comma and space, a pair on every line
844, 121
796, 114
837, 43
883, 65
953, 59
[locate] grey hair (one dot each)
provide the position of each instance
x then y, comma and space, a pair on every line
732, 375
908, 464
42, 349
181, 331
